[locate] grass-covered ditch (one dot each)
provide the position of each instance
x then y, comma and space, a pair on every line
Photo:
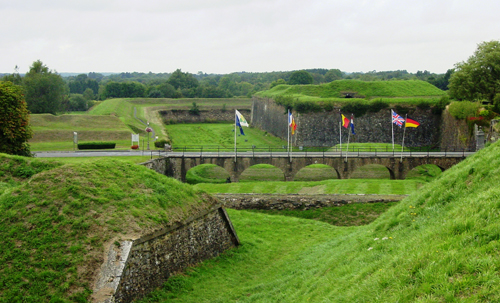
56, 220
440, 244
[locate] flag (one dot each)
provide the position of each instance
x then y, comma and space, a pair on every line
411, 123
345, 121
352, 124
397, 119
242, 120
293, 126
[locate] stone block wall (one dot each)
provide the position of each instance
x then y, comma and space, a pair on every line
322, 129
134, 268
298, 201
213, 115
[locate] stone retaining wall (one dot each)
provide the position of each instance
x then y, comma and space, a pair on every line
205, 116
296, 201
135, 267
322, 129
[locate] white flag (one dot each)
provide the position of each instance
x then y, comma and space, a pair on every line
241, 119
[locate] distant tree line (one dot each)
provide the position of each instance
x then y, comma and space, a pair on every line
48, 92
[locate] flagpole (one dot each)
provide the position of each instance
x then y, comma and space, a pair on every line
288, 127
348, 137
392, 126
340, 134
235, 135
403, 144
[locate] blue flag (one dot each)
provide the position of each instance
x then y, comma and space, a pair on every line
239, 125
352, 125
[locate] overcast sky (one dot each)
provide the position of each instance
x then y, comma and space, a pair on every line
224, 36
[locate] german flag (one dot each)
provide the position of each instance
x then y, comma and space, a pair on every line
411, 123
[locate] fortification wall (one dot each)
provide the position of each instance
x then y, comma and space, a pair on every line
213, 115
135, 267
322, 129
297, 201
455, 133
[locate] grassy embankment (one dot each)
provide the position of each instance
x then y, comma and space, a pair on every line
56, 221
440, 244
393, 92
113, 120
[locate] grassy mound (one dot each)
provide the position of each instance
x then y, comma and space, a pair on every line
368, 89
206, 173
14, 169
262, 172
441, 244
55, 227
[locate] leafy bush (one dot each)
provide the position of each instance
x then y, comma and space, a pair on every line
424, 104
463, 109
438, 108
358, 108
194, 110
161, 143
96, 145
307, 106
377, 105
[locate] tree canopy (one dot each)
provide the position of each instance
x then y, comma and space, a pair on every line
44, 89
478, 78
14, 125
300, 77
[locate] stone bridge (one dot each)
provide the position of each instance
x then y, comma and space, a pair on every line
177, 166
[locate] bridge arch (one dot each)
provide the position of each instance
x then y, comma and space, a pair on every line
207, 173
262, 172
316, 172
425, 171
372, 171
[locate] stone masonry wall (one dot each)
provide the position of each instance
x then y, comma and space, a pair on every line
183, 116
297, 201
322, 129
136, 268
455, 133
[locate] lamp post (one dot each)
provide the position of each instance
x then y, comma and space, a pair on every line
148, 130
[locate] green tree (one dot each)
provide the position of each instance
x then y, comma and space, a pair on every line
88, 94
300, 77
478, 78
277, 82
77, 102
332, 75
14, 78
181, 80
44, 89
15, 130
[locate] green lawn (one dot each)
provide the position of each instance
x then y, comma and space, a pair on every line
349, 186
219, 134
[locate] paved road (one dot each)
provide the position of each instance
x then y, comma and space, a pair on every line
156, 153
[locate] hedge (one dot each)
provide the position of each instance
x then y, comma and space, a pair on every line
96, 145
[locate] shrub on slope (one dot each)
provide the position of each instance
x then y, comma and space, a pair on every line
55, 227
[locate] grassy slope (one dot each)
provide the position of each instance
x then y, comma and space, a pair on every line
56, 132
370, 89
441, 244
54, 228
206, 134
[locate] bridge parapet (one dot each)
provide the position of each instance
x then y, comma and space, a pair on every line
176, 166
